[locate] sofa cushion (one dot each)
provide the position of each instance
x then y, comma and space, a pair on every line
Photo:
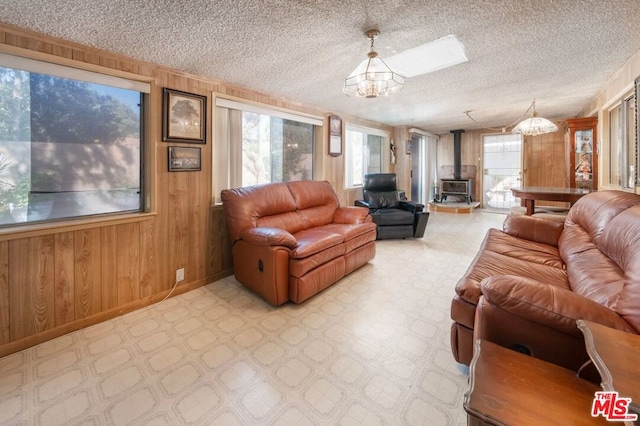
311, 241
522, 249
383, 199
384, 217
593, 212
244, 207
298, 267
349, 231
316, 201
352, 215
621, 242
292, 222
488, 263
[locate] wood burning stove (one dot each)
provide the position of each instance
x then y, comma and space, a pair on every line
457, 187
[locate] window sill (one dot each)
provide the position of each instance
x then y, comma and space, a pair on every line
48, 228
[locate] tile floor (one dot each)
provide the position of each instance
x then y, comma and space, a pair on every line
370, 350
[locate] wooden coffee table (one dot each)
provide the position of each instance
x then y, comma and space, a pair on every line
509, 388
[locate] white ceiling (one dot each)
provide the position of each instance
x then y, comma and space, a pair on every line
560, 52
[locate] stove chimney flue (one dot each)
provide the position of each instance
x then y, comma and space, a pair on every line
457, 153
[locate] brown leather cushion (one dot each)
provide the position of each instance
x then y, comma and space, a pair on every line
243, 207
349, 231
522, 249
311, 193
594, 211
311, 241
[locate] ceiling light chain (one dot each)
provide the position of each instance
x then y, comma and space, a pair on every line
529, 127
535, 125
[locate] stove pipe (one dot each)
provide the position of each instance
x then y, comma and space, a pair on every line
457, 154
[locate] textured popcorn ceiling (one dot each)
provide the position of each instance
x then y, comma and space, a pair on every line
560, 52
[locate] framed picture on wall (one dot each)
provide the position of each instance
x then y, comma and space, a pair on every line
183, 159
184, 117
335, 135
409, 147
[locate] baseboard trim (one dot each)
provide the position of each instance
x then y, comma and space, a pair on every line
36, 339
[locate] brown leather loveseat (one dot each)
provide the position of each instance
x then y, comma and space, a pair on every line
530, 282
292, 240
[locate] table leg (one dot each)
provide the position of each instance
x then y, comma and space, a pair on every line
530, 204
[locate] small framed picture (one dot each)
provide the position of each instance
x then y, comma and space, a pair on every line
183, 159
335, 135
409, 147
184, 117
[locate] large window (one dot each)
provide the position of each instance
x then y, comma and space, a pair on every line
622, 154
275, 149
256, 145
363, 153
68, 148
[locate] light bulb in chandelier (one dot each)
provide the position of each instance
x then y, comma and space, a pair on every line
373, 78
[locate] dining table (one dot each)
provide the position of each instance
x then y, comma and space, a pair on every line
530, 194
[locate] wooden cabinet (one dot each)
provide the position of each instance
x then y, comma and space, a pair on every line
582, 153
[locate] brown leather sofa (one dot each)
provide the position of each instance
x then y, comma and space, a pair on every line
530, 282
292, 240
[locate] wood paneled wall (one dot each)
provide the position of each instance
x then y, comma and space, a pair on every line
543, 158
56, 279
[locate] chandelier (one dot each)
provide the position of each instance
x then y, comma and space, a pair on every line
373, 78
535, 125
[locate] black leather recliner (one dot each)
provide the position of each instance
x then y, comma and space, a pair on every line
395, 218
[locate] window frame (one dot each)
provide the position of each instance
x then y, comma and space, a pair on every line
227, 148
348, 154
627, 141
79, 70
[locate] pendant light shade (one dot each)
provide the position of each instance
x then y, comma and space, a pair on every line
535, 125
373, 78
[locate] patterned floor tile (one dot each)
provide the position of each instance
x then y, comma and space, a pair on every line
371, 350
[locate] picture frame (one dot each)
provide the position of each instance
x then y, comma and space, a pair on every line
184, 117
335, 136
409, 147
184, 159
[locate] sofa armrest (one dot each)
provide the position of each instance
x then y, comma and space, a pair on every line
551, 306
533, 229
269, 237
350, 215
411, 206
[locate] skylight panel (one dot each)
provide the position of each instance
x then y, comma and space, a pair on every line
435, 55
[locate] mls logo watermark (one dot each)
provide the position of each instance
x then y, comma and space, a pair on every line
612, 407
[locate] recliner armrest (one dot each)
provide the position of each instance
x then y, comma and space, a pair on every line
269, 237
551, 306
411, 206
362, 203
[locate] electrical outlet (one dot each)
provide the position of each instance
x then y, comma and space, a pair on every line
179, 275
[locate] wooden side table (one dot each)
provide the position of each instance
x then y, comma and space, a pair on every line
510, 388
615, 354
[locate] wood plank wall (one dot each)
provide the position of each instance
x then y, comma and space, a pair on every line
56, 279
543, 162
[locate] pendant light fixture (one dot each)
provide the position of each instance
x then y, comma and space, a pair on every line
535, 125
373, 78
